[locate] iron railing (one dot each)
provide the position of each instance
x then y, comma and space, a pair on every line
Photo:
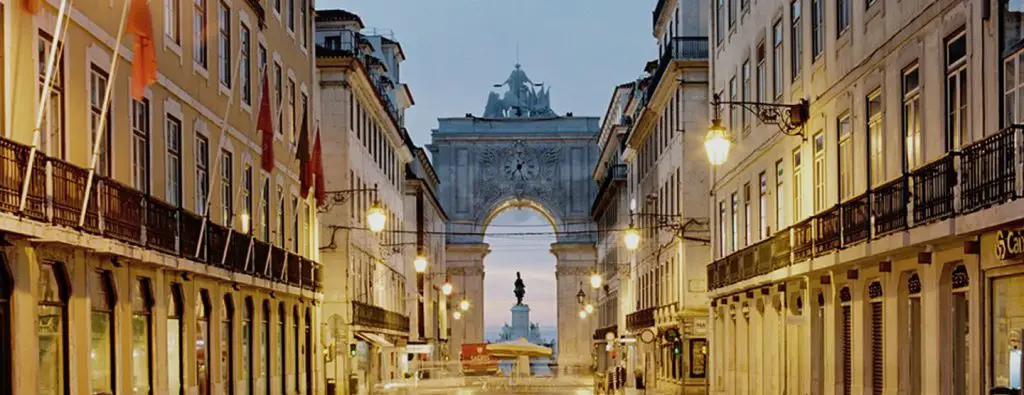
679, 48
640, 319
781, 249
376, 317
889, 206
933, 190
856, 221
988, 170
803, 240
120, 212
827, 236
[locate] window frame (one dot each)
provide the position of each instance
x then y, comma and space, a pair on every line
796, 37
203, 311
176, 311
876, 138
202, 176
227, 182
143, 290
227, 343
224, 42
956, 70
59, 301
911, 117
173, 154
778, 59
846, 162
56, 107
172, 21
101, 280
245, 63
141, 179
200, 26
96, 95
820, 169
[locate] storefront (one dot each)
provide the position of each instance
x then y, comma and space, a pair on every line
1002, 253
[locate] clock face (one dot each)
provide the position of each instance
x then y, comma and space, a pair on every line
518, 167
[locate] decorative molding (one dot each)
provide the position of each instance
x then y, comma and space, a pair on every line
466, 271
573, 271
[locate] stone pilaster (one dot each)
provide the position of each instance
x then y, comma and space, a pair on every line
575, 263
466, 270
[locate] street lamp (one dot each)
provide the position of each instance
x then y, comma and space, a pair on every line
446, 288
790, 118
595, 280
580, 295
583, 314
420, 263
464, 304
589, 308
376, 217
457, 315
631, 237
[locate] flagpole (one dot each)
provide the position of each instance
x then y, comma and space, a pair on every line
101, 125
48, 81
205, 208
234, 213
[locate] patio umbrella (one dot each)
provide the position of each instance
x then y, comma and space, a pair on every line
518, 348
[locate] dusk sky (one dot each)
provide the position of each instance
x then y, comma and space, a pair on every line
457, 49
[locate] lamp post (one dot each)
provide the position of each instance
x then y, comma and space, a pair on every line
790, 118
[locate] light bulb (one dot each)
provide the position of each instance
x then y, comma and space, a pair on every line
457, 315
420, 263
245, 222
595, 281
583, 314
464, 304
589, 308
717, 143
376, 218
446, 289
632, 238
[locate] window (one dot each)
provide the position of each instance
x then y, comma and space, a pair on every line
172, 23
1013, 84
227, 200
202, 343
297, 344
247, 198
961, 324
296, 236
227, 344
956, 91
277, 6
734, 111
842, 16
732, 14
52, 127
142, 337
846, 340
796, 35
912, 118
876, 139
281, 333
280, 217
245, 66
199, 32
308, 349
52, 330
6, 288
265, 342
777, 58
277, 97
202, 173
304, 238
877, 340
304, 38
261, 60
248, 355
719, 20
820, 172
97, 91
293, 115
779, 195
289, 15
173, 161
265, 207
140, 145
817, 28
797, 189
101, 332
870, 3
762, 74
224, 42
762, 205
175, 341
745, 94
734, 206
746, 214
846, 159
721, 229
912, 337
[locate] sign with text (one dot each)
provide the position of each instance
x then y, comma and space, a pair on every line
1009, 244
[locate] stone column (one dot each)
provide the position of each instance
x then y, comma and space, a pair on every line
575, 263
466, 269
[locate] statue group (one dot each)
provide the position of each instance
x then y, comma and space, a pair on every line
521, 100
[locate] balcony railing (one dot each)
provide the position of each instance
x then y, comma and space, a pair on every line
781, 249
933, 190
889, 205
375, 317
856, 222
120, 212
640, 319
827, 231
679, 48
988, 170
803, 240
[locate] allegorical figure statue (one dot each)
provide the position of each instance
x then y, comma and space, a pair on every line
520, 289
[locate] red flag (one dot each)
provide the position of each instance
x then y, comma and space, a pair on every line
302, 154
265, 124
317, 168
140, 23
32, 6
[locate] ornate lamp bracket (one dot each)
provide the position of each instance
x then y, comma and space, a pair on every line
680, 226
790, 118
340, 197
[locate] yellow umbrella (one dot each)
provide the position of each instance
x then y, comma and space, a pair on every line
518, 348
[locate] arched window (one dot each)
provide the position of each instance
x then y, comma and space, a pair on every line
6, 285
52, 330
142, 336
203, 356
281, 355
877, 338
961, 325
227, 344
295, 329
309, 351
846, 338
101, 335
265, 341
912, 333
248, 376
175, 341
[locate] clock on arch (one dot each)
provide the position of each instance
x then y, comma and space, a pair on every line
520, 167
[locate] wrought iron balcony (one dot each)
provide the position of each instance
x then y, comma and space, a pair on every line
933, 190
679, 48
803, 240
119, 212
856, 221
375, 317
640, 319
988, 170
827, 231
889, 206
781, 248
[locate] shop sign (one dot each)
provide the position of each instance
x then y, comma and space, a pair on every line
1009, 244
648, 336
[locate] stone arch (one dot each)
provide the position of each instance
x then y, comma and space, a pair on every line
500, 206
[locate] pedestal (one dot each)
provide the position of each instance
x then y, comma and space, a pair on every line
521, 322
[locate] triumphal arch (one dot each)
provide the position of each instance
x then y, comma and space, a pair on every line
520, 154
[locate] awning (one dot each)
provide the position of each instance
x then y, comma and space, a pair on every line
374, 338
419, 348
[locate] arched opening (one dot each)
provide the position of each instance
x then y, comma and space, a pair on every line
519, 233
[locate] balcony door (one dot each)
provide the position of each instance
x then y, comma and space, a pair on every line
6, 284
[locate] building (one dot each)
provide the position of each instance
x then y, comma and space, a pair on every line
367, 270
122, 302
878, 251
428, 338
